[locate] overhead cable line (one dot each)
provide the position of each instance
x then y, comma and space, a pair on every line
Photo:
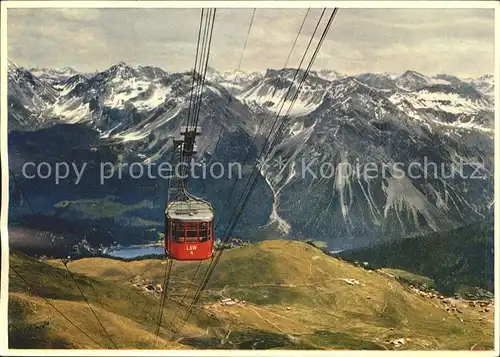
31, 287
238, 213
229, 226
64, 262
220, 135
254, 138
276, 119
207, 21
194, 67
246, 40
296, 39
206, 59
166, 280
199, 66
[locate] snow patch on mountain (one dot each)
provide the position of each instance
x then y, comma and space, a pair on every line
484, 84
341, 118
418, 103
53, 75
142, 130
11, 65
144, 95
28, 98
71, 111
328, 75
272, 100
273, 93
274, 217
412, 80
403, 197
446, 102
233, 81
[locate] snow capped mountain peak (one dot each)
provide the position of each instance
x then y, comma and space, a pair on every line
151, 71
464, 90
28, 97
11, 65
447, 78
146, 88
212, 72
411, 80
329, 75
378, 80
120, 64
390, 75
234, 81
286, 73
241, 76
344, 119
484, 84
487, 77
414, 74
121, 70
278, 85
53, 75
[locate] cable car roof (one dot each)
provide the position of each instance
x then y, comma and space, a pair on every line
190, 211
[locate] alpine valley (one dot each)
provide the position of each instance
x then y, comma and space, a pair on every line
128, 114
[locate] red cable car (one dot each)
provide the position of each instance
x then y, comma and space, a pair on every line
189, 230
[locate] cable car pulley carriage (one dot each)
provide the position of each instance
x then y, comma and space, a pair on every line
189, 220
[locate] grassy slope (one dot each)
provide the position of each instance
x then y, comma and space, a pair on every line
295, 298
419, 280
128, 315
455, 259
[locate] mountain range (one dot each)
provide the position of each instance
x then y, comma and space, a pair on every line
127, 114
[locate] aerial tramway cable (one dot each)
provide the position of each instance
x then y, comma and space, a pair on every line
215, 260
247, 156
293, 100
327, 27
207, 20
238, 213
194, 67
198, 69
296, 38
292, 48
31, 287
219, 138
246, 40
166, 280
203, 76
64, 262
259, 125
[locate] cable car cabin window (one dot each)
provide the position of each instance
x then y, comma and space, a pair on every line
178, 233
192, 231
204, 232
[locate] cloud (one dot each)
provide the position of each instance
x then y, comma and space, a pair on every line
456, 41
78, 14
